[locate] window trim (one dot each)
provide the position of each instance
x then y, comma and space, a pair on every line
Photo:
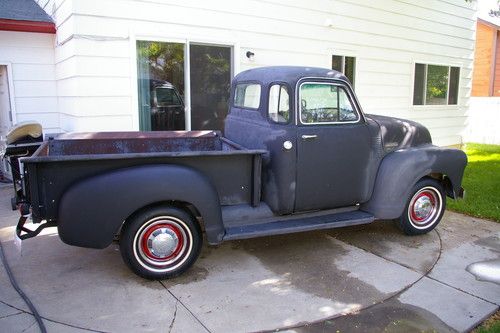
204, 39
11, 95
290, 101
247, 83
431, 106
298, 112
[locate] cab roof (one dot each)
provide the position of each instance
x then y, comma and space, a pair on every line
289, 74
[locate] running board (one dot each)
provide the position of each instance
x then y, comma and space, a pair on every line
292, 225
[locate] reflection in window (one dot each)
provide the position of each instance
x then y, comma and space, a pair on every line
160, 71
247, 95
167, 96
325, 103
279, 104
210, 82
435, 85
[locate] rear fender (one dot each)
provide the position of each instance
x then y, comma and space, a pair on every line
399, 171
92, 211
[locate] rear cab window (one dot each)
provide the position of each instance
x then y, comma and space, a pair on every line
247, 96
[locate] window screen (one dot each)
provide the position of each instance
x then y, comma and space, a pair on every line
453, 90
345, 65
419, 85
247, 95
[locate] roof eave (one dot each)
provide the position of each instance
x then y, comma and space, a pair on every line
27, 26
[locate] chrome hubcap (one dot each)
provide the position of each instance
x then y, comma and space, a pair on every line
425, 207
422, 207
162, 242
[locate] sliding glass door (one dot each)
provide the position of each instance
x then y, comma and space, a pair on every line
210, 82
175, 78
160, 84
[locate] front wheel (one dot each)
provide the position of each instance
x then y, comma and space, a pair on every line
424, 208
160, 242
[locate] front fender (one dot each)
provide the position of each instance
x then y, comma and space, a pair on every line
92, 211
399, 171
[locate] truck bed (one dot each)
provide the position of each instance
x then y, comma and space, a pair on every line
110, 143
61, 162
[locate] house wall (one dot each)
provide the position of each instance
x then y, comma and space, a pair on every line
96, 65
29, 58
483, 120
483, 60
496, 73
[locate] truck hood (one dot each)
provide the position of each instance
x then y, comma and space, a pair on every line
401, 133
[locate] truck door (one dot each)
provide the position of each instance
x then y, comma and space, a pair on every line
333, 148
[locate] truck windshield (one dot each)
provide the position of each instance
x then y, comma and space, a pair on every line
167, 97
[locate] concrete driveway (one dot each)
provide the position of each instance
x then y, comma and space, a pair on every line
366, 278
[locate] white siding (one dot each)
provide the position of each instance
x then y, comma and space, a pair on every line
30, 57
483, 120
95, 56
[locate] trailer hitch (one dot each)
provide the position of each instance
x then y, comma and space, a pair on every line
24, 233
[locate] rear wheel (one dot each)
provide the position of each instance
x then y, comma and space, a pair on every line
160, 242
424, 208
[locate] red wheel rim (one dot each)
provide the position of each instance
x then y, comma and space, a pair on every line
425, 207
148, 250
414, 212
163, 243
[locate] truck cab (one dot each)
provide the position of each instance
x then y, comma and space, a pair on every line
324, 152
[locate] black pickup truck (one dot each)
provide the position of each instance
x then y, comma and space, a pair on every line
297, 154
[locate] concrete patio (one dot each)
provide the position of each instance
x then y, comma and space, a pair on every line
353, 279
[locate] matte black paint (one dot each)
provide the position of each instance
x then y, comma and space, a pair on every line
50, 176
299, 224
333, 168
253, 129
400, 171
90, 187
111, 197
400, 133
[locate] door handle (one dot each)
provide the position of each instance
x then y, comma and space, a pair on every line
308, 137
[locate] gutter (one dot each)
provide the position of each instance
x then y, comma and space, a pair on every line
27, 26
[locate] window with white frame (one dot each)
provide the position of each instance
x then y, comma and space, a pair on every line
182, 85
435, 85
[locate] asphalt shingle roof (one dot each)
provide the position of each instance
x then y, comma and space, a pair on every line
23, 10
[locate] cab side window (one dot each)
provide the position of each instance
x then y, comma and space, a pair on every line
325, 103
279, 104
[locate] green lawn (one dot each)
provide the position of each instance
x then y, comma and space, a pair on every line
481, 183
490, 325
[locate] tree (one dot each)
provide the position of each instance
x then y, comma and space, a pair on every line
495, 12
